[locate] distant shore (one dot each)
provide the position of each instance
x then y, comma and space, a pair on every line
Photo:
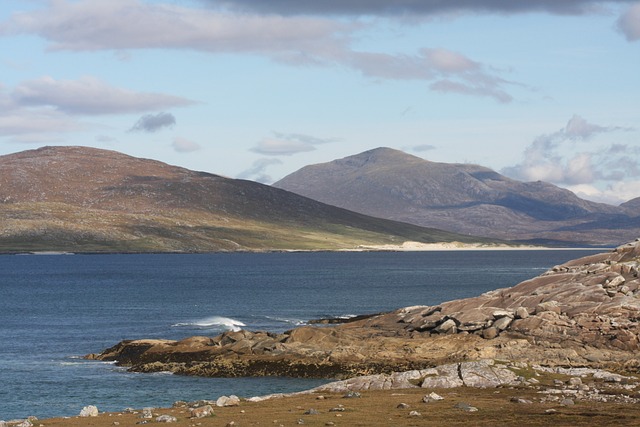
459, 246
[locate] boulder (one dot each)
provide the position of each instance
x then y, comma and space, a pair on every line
486, 374
89, 411
490, 333
202, 412
445, 376
449, 326
432, 397
228, 401
521, 313
502, 323
548, 306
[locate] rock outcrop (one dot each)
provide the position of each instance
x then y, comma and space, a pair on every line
582, 313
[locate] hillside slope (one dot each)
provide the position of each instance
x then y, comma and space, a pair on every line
463, 198
83, 199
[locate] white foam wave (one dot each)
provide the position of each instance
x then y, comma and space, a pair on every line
215, 322
296, 322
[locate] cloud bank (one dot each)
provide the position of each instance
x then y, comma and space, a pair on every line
48, 106
294, 40
629, 23
90, 96
558, 158
413, 7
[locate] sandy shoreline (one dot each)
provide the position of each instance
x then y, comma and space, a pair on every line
459, 246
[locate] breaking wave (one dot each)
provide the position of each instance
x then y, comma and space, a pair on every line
215, 322
295, 322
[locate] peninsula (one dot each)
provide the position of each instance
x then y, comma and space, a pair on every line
582, 313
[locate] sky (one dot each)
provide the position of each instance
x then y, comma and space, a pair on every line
537, 90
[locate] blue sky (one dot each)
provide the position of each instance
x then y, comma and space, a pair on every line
539, 90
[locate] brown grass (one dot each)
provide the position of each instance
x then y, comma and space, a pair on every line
379, 408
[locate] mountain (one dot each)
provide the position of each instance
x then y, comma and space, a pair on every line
462, 198
81, 199
632, 205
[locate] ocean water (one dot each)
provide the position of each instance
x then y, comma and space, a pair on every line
56, 308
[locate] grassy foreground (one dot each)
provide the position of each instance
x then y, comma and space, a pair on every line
380, 408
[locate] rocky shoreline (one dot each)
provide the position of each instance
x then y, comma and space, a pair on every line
582, 313
485, 392
560, 348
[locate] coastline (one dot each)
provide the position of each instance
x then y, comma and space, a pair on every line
406, 407
459, 246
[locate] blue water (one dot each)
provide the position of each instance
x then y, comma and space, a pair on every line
54, 309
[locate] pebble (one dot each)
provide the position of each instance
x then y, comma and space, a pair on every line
403, 406
352, 394
465, 407
415, 414
311, 412
166, 419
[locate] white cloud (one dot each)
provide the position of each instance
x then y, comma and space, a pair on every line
450, 72
257, 171
91, 96
629, 23
36, 121
556, 158
287, 144
183, 145
579, 128
614, 194
281, 147
625, 191
122, 25
132, 24
48, 107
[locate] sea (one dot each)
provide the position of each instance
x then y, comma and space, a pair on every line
54, 309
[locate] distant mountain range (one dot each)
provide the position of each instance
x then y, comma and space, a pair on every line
81, 199
463, 198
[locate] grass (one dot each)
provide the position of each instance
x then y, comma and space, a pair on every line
28, 227
380, 408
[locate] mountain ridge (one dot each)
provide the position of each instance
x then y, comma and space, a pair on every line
83, 199
463, 198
